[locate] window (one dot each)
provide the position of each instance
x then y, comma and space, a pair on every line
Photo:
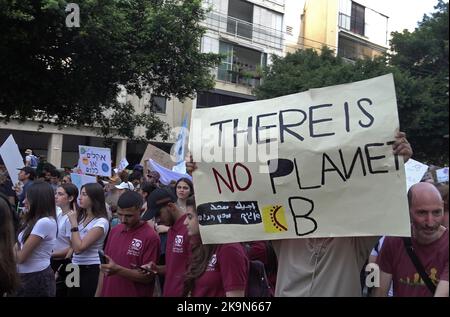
241, 18
357, 19
158, 104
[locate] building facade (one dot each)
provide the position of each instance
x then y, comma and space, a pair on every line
351, 28
246, 33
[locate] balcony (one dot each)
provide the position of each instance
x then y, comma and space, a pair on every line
242, 66
244, 75
240, 29
346, 23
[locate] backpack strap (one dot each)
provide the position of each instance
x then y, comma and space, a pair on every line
418, 265
272, 261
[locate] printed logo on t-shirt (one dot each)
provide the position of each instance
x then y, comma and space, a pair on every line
212, 263
179, 241
178, 244
416, 280
136, 244
135, 247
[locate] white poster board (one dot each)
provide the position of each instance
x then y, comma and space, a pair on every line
414, 171
442, 175
313, 164
10, 154
122, 165
94, 160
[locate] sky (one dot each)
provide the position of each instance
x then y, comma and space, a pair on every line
403, 13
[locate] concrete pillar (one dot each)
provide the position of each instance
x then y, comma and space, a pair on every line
54, 150
121, 150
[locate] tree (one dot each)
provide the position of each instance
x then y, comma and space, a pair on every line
72, 76
424, 54
419, 63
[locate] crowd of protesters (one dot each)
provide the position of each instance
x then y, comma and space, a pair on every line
129, 235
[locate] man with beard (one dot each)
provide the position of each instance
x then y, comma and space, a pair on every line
163, 204
429, 242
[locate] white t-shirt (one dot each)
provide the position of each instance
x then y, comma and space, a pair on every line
39, 259
63, 238
90, 255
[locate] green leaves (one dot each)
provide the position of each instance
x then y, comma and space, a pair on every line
71, 75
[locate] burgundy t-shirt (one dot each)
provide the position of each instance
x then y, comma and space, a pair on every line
394, 260
177, 255
227, 270
130, 249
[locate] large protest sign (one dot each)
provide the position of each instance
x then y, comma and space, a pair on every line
313, 164
10, 154
94, 160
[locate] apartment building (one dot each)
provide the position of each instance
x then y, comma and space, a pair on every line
351, 28
246, 33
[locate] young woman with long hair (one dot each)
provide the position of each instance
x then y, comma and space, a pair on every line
183, 189
66, 199
214, 270
89, 228
36, 241
8, 272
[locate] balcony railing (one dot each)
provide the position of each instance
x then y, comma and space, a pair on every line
237, 28
240, 76
346, 24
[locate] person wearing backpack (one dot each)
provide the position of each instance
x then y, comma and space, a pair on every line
264, 275
31, 159
214, 270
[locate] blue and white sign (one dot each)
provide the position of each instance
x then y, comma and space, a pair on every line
95, 160
442, 175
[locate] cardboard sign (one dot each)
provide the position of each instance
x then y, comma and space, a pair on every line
157, 155
313, 164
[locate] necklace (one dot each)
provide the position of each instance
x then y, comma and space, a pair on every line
85, 222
